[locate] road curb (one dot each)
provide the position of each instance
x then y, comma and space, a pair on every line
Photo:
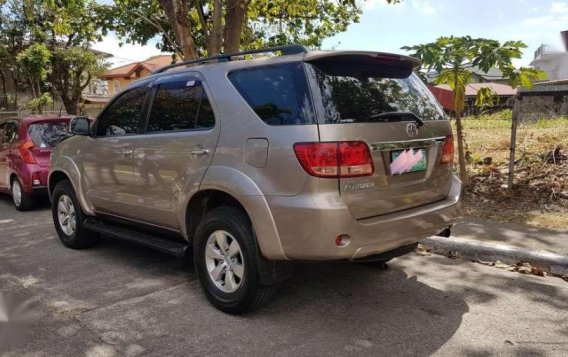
489, 251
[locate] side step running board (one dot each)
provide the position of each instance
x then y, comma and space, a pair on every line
144, 239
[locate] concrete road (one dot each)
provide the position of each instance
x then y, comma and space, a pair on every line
119, 299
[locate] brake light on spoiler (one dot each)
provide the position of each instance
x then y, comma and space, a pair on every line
337, 159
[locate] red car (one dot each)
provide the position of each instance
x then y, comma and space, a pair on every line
25, 151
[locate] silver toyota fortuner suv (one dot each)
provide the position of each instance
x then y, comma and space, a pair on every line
252, 162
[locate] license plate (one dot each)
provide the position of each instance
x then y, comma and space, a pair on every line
409, 160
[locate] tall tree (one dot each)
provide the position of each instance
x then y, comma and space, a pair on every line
193, 28
63, 28
33, 62
452, 56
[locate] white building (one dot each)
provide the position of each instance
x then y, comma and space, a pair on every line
553, 62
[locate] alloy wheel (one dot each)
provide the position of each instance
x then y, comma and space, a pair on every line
66, 215
17, 193
224, 261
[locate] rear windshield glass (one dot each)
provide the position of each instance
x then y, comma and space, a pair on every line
48, 134
352, 94
278, 94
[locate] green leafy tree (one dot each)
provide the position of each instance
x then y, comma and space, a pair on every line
33, 62
59, 30
452, 56
71, 72
193, 28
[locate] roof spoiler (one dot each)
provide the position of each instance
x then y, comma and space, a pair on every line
364, 62
363, 57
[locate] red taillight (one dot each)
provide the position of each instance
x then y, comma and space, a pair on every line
335, 159
25, 150
448, 150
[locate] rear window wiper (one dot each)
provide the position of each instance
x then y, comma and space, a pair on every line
396, 116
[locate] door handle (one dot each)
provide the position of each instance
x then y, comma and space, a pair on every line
200, 152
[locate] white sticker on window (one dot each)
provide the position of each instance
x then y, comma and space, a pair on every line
190, 84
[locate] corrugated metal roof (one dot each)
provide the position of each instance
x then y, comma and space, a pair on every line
472, 88
151, 64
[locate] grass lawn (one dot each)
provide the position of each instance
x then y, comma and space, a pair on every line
540, 195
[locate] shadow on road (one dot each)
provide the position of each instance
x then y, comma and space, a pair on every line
128, 295
41, 202
326, 308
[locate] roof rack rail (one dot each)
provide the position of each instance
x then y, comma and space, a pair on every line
225, 57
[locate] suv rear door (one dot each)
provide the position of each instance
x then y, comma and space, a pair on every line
376, 99
177, 147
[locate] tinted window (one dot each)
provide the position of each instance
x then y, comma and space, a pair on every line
124, 115
48, 134
278, 94
352, 94
180, 106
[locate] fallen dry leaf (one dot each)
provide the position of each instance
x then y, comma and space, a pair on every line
501, 265
484, 262
423, 250
524, 268
538, 271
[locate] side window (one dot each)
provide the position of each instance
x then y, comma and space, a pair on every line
124, 115
180, 105
2, 138
278, 94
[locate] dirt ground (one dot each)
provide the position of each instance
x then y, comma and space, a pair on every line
540, 193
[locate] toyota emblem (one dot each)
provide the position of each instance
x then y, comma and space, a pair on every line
412, 129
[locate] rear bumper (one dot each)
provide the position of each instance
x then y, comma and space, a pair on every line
25, 173
308, 225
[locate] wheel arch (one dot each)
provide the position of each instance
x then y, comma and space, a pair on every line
66, 169
54, 178
229, 186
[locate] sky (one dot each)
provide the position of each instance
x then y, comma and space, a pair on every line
385, 27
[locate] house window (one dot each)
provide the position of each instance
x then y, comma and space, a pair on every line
116, 86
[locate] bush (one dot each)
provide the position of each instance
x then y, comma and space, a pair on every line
36, 106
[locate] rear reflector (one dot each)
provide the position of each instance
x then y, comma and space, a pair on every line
448, 150
335, 159
35, 179
25, 151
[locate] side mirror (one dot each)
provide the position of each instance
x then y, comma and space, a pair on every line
80, 126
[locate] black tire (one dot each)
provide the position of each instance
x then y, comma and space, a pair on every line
250, 294
26, 202
81, 237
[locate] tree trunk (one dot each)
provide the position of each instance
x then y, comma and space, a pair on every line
71, 106
461, 152
178, 14
234, 21
4, 101
459, 104
216, 35
32, 86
